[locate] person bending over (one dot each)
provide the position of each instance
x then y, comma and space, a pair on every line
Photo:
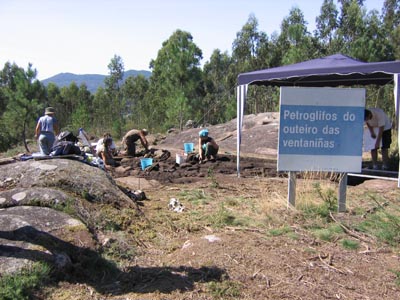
376, 118
131, 137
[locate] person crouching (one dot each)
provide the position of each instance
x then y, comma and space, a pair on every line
208, 148
105, 153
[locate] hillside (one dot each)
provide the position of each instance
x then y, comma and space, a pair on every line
92, 81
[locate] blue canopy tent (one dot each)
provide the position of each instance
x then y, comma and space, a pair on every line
330, 71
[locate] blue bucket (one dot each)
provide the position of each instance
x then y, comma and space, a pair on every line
188, 147
146, 162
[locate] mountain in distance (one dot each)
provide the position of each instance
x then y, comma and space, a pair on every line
92, 81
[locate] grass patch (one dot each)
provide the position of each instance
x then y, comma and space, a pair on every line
21, 285
196, 197
397, 273
280, 231
328, 234
350, 244
385, 226
119, 248
316, 211
222, 217
327, 195
210, 175
67, 207
233, 202
317, 202
224, 289
115, 220
310, 251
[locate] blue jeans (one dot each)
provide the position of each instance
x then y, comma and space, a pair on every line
46, 141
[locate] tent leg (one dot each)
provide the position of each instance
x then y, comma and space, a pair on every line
397, 108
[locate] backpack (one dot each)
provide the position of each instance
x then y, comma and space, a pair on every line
67, 136
65, 148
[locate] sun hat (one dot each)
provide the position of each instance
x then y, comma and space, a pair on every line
49, 110
203, 133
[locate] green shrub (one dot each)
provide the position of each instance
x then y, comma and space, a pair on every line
20, 285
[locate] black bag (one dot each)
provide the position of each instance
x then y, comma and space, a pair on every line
67, 136
65, 148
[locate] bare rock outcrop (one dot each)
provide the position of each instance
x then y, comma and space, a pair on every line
29, 234
34, 198
259, 135
72, 177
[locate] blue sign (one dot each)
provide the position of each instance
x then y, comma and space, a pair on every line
327, 130
321, 129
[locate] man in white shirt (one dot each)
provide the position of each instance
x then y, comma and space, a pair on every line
376, 118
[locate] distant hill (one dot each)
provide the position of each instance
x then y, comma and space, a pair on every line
92, 81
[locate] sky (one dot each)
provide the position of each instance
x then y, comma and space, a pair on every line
82, 36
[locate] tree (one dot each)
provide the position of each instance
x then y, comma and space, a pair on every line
69, 96
82, 116
295, 36
25, 98
372, 44
250, 48
351, 25
391, 23
113, 87
327, 24
175, 83
102, 116
134, 92
218, 89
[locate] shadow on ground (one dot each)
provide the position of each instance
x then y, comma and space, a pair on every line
82, 265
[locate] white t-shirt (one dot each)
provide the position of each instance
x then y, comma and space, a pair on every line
379, 119
100, 146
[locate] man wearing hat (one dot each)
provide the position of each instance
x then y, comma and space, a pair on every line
46, 129
131, 137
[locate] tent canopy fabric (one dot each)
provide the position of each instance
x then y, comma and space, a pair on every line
332, 70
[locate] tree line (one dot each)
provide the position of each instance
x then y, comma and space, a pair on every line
179, 89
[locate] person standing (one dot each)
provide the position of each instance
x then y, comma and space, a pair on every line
131, 137
208, 148
46, 130
380, 128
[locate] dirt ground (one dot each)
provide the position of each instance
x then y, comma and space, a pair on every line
235, 238
230, 237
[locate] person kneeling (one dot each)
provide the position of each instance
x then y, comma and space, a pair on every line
105, 153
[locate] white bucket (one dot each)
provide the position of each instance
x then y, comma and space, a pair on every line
180, 159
